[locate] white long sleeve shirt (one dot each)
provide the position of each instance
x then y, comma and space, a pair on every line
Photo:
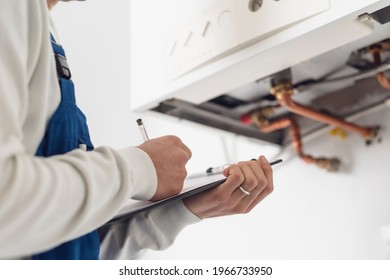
47, 201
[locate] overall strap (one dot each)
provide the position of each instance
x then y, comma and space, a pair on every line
67, 130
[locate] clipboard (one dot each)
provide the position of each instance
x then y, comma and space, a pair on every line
192, 185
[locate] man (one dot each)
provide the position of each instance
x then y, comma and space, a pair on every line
49, 198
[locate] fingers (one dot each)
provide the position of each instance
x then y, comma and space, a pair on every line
268, 189
235, 177
252, 174
267, 169
255, 177
253, 181
175, 141
169, 156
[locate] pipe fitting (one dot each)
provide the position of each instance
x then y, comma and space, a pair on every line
282, 88
261, 115
329, 164
374, 133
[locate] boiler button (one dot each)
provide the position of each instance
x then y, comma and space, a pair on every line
225, 19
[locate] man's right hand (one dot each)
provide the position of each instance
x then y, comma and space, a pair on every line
169, 156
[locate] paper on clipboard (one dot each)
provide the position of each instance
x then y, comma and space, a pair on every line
192, 185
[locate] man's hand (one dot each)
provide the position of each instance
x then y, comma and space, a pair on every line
169, 156
246, 185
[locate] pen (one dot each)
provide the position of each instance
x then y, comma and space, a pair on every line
216, 170
275, 162
142, 129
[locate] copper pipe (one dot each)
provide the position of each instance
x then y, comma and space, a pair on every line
283, 94
376, 56
294, 134
383, 80
267, 127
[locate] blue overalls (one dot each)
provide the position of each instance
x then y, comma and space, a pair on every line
66, 131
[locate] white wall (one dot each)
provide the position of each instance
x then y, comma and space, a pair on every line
95, 35
310, 215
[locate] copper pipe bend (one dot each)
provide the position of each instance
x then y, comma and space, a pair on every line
294, 134
285, 100
383, 80
331, 164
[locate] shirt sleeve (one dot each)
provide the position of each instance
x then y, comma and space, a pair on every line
155, 229
47, 201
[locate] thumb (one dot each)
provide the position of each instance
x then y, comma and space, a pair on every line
226, 171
